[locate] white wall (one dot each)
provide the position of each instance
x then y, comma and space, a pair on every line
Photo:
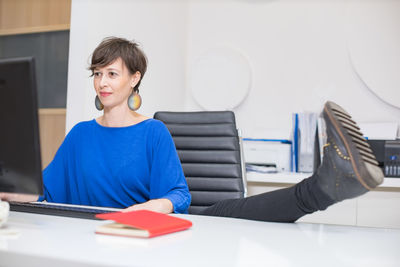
160, 28
298, 52
299, 56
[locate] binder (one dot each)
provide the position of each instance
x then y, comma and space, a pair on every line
306, 141
305, 145
295, 133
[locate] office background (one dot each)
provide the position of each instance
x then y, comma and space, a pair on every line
295, 56
266, 59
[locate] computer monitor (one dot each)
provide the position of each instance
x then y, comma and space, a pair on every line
20, 162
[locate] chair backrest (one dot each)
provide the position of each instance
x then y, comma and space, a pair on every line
209, 148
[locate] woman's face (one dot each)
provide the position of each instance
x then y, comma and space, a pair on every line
113, 84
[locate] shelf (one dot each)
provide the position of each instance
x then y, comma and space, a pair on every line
34, 16
52, 111
280, 177
38, 29
391, 182
294, 178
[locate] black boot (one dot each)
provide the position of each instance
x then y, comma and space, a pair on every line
349, 168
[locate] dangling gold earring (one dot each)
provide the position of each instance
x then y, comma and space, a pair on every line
134, 100
98, 103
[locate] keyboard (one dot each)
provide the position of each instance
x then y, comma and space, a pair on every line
66, 210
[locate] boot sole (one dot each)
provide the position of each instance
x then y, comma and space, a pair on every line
362, 159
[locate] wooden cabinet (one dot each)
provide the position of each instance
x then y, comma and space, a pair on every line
23, 17
31, 16
52, 131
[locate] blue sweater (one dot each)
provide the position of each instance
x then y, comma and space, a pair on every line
116, 167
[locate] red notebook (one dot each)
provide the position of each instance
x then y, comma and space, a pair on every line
141, 223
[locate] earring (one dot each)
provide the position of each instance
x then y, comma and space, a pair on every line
98, 103
134, 101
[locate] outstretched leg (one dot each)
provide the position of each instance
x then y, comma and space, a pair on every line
348, 170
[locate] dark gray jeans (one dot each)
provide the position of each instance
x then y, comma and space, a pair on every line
284, 205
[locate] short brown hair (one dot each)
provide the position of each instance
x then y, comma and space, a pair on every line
112, 48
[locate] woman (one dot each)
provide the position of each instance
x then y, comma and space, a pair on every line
121, 159
126, 160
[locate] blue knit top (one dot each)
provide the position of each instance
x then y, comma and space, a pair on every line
116, 167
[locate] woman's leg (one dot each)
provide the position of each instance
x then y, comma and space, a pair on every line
348, 170
283, 205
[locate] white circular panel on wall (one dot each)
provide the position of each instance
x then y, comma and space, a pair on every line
221, 79
374, 46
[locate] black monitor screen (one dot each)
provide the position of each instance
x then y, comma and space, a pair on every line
20, 164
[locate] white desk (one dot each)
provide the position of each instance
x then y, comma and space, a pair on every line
57, 241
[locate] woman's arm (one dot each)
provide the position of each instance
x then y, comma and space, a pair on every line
162, 205
18, 197
167, 181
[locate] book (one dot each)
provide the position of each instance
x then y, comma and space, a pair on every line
141, 223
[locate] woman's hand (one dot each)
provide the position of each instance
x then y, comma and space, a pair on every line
18, 197
162, 205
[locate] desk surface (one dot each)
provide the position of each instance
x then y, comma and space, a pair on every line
58, 241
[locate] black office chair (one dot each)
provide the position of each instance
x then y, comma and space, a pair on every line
209, 148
